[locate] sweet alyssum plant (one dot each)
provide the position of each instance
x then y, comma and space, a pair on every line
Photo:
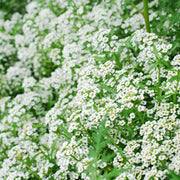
87, 92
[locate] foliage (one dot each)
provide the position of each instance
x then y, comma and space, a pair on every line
87, 93
12, 6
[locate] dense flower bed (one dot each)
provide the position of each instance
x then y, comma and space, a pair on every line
87, 93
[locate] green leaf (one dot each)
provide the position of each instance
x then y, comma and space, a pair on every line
128, 41
98, 1
173, 176
106, 157
153, 66
53, 147
172, 79
164, 96
1, 141
156, 52
107, 88
28, 161
34, 173
110, 175
115, 172
178, 76
34, 157
95, 107
141, 85
42, 132
38, 125
174, 47
45, 147
66, 133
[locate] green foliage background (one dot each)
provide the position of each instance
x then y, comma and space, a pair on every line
13, 6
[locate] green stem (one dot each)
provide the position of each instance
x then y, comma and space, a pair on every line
90, 138
95, 173
146, 15
35, 174
119, 148
133, 5
176, 91
159, 82
139, 114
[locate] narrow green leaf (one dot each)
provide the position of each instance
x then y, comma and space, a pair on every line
95, 107
45, 147
38, 125
156, 52
107, 88
153, 66
164, 96
172, 79
53, 147
34, 157
1, 141
28, 161
68, 135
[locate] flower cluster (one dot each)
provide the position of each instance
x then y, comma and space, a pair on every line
81, 101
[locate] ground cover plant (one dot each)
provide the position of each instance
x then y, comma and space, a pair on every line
89, 90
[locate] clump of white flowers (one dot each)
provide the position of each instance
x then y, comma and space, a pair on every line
78, 101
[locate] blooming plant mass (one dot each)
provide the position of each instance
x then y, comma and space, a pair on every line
89, 90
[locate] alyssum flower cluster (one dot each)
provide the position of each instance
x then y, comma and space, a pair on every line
81, 100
